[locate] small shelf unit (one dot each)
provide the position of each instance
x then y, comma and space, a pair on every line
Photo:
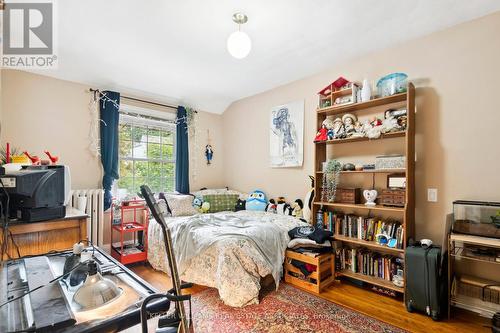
133, 225
323, 152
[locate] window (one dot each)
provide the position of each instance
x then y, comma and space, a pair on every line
147, 153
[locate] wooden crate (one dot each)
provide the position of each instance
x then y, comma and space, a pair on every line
317, 280
393, 197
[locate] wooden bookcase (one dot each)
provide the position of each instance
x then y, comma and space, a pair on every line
405, 142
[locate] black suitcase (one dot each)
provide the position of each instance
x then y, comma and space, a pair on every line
426, 281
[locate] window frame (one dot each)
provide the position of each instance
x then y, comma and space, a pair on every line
168, 128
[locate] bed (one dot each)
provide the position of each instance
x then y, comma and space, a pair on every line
230, 251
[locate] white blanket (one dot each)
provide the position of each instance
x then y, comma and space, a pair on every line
229, 251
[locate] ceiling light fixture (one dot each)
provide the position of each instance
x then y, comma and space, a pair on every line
238, 43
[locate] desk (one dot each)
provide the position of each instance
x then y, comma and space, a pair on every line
42, 237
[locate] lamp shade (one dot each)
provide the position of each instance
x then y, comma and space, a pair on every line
239, 44
96, 290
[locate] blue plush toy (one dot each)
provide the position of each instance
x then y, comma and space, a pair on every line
257, 201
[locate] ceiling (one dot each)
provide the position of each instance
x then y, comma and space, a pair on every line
175, 51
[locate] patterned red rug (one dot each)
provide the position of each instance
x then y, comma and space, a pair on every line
285, 311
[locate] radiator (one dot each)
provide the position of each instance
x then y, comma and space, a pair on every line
93, 206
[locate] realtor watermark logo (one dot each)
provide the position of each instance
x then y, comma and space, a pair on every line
28, 35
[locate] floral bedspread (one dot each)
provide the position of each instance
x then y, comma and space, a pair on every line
229, 251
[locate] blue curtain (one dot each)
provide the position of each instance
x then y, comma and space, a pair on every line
109, 105
182, 153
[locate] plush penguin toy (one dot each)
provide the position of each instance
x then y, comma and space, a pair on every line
306, 211
271, 206
282, 208
257, 201
297, 206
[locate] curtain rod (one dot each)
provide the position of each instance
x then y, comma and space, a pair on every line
143, 101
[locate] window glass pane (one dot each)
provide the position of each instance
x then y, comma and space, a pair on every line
155, 169
138, 181
169, 170
126, 183
141, 169
154, 151
154, 135
167, 137
126, 168
168, 185
125, 132
140, 134
167, 152
155, 183
140, 150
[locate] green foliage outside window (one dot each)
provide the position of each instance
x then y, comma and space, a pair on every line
146, 157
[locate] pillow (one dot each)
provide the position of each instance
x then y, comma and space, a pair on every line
162, 204
221, 202
180, 205
203, 193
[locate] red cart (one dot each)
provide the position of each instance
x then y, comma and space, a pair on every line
132, 225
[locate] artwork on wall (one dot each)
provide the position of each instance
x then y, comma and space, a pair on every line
286, 139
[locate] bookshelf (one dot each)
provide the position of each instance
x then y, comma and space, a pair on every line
332, 149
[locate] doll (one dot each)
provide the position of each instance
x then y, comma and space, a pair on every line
338, 128
322, 134
348, 120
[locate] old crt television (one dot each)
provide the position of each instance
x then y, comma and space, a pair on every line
37, 193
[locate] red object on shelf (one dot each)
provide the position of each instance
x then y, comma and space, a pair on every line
35, 160
134, 217
335, 85
52, 158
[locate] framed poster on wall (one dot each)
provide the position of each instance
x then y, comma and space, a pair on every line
286, 137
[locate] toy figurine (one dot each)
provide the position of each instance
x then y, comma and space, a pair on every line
375, 122
358, 130
256, 201
330, 134
339, 128
297, 206
197, 203
322, 134
35, 160
53, 159
209, 154
271, 206
348, 120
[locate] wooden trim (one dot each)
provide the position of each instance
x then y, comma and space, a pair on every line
349, 140
360, 206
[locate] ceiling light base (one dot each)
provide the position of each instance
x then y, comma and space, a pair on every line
240, 18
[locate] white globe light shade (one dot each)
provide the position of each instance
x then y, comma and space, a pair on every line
239, 44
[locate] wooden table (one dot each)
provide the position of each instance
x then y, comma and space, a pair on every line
43, 237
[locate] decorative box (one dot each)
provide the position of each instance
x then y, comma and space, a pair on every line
476, 218
390, 162
392, 197
348, 195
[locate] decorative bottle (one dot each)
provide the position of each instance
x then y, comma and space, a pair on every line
366, 91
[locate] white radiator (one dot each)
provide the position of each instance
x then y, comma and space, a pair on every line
92, 203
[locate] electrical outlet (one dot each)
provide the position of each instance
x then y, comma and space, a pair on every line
432, 194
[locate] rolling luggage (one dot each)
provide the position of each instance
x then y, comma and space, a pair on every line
426, 281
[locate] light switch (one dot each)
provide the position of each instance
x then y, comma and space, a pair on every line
432, 194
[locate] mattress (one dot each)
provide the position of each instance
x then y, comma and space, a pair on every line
230, 251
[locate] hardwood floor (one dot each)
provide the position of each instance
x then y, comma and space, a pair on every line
374, 305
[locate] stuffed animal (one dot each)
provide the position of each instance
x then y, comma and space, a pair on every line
205, 207
306, 210
197, 203
271, 206
297, 206
282, 208
256, 201
240, 205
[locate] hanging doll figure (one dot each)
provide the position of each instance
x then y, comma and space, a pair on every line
209, 154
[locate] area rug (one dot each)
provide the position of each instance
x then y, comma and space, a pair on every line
284, 311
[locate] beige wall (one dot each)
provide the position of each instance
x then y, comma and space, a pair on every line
40, 112
457, 74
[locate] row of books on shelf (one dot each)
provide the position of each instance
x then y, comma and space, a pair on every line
366, 262
364, 228
367, 228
